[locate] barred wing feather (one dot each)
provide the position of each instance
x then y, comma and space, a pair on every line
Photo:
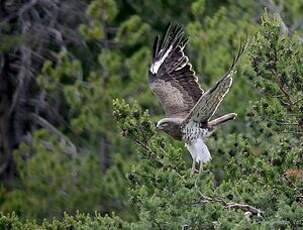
171, 77
209, 102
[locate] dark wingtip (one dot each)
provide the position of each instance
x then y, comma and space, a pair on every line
169, 26
166, 36
174, 35
158, 44
155, 46
242, 48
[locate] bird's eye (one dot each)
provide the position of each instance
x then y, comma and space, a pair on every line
164, 124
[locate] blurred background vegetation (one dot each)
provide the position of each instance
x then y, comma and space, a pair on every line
62, 63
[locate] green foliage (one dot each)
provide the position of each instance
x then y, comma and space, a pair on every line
167, 197
134, 123
132, 31
277, 61
104, 10
56, 178
79, 221
101, 12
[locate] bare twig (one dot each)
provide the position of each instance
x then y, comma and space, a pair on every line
245, 208
146, 148
45, 124
229, 205
283, 90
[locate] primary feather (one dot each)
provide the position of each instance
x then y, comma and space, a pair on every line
209, 102
171, 77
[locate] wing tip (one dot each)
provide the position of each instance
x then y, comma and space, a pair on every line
155, 46
241, 50
174, 35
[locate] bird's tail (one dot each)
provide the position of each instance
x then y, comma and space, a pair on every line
200, 154
223, 119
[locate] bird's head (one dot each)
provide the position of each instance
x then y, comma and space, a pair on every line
162, 125
167, 124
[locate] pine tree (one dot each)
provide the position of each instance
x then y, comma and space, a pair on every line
105, 156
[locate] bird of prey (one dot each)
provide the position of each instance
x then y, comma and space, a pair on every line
187, 107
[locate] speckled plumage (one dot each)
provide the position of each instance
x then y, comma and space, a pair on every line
193, 130
188, 109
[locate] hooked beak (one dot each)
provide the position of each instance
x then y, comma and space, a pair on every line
156, 125
159, 128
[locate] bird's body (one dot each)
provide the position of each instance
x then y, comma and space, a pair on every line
194, 135
188, 109
193, 131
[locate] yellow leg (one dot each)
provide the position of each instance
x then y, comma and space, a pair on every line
193, 167
201, 167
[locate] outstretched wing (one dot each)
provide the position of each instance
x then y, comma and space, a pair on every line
171, 76
208, 104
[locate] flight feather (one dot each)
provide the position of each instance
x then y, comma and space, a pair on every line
171, 77
209, 102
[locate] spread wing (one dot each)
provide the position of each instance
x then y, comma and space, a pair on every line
171, 77
209, 102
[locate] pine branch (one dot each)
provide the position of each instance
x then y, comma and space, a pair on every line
142, 145
248, 209
45, 124
232, 205
276, 11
